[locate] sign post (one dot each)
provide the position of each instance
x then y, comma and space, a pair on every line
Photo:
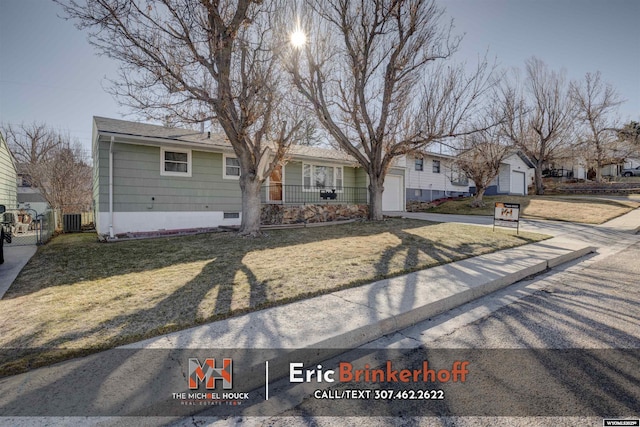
507, 215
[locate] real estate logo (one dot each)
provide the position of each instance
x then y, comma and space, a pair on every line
209, 373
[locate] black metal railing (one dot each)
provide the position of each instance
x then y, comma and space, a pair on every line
301, 195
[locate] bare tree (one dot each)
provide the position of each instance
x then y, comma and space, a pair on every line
64, 179
366, 74
596, 103
479, 157
540, 115
199, 60
32, 143
55, 165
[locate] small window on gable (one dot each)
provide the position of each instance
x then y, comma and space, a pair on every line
175, 162
419, 164
231, 167
436, 166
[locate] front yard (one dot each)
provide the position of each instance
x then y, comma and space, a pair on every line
77, 296
584, 209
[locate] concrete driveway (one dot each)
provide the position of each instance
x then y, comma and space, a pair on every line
15, 258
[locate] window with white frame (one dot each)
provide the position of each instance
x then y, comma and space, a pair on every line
436, 166
419, 165
458, 176
175, 162
322, 177
231, 167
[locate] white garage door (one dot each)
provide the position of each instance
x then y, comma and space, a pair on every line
392, 195
518, 183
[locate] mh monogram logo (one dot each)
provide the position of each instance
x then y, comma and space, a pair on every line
209, 373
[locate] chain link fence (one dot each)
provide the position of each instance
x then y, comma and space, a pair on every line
27, 227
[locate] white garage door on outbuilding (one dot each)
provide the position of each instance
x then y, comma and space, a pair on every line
393, 195
518, 183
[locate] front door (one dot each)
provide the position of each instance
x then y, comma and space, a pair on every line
275, 185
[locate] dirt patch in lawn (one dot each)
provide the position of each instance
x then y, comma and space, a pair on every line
77, 296
587, 210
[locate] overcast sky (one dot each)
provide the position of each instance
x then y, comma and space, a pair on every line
49, 73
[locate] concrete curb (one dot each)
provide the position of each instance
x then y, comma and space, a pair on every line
395, 323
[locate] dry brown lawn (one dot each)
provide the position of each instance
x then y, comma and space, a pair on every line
78, 296
587, 210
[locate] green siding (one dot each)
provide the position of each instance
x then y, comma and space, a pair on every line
137, 179
8, 183
361, 177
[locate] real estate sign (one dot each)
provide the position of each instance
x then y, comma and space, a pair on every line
507, 215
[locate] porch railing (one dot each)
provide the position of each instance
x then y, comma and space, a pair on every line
301, 195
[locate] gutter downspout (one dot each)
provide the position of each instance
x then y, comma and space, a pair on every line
111, 188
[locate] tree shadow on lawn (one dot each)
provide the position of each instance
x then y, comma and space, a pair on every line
60, 263
440, 254
211, 295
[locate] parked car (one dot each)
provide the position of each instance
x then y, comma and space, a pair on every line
631, 172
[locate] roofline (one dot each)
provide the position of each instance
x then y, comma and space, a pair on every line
167, 142
11, 157
160, 141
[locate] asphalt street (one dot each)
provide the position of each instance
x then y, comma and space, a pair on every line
591, 304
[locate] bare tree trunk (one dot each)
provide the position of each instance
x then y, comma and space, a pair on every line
250, 224
538, 179
375, 200
477, 198
599, 162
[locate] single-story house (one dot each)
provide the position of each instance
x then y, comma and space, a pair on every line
150, 178
433, 176
8, 177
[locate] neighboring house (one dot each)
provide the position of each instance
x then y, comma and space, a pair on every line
433, 176
151, 178
515, 175
8, 177
570, 168
29, 196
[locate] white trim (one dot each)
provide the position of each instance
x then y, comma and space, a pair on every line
125, 222
312, 187
226, 156
163, 172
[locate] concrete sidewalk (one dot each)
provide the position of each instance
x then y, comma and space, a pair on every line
355, 316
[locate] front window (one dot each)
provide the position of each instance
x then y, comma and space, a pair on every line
436, 166
175, 162
231, 167
322, 177
419, 164
458, 177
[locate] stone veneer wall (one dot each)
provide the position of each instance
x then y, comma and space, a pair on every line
294, 214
